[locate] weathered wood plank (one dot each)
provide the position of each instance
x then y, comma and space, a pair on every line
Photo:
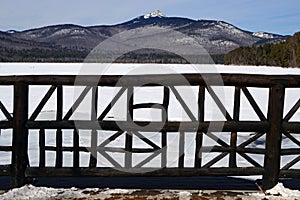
76, 154
59, 113
273, 137
199, 135
233, 136
94, 134
20, 135
129, 134
6, 124
291, 127
247, 80
5, 148
291, 173
181, 150
117, 172
228, 126
42, 141
5, 170
165, 118
229, 149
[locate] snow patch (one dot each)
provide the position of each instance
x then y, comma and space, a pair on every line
11, 31
70, 31
156, 13
263, 35
185, 41
30, 192
117, 191
184, 195
229, 27
223, 43
277, 192
280, 190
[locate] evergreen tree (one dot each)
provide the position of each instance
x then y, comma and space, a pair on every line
284, 54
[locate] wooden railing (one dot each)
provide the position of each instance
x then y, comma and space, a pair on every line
274, 126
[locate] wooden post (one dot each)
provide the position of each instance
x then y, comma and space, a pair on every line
94, 133
233, 138
181, 150
166, 99
76, 148
128, 136
273, 138
59, 140
199, 135
20, 135
42, 162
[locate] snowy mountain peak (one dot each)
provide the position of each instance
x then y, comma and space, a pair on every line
11, 31
263, 35
156, 13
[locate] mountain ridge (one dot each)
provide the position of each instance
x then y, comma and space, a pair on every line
217, 37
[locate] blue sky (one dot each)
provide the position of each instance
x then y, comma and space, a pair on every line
275, 16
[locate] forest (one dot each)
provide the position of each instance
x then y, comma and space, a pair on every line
283, 54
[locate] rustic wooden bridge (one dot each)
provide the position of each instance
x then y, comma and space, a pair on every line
273, 126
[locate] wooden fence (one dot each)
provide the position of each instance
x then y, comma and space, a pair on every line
274, 126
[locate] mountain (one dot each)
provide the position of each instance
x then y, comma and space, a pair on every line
217, 37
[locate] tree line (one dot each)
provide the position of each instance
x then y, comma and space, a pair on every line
284, 54
70, 55
41, 55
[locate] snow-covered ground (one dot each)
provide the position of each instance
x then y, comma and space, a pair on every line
226, 95
29, 192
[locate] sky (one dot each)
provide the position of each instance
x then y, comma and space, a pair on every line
275, 16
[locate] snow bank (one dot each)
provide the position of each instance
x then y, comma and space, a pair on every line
38, 193
280, 190
30, 192
277, 192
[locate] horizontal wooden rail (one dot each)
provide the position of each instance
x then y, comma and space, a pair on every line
6, 124
291, 173
227, 126
246, 80
291, 127
114, 172
5, 170
5, 148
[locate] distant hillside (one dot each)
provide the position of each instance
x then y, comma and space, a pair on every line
284, 54
66, 43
